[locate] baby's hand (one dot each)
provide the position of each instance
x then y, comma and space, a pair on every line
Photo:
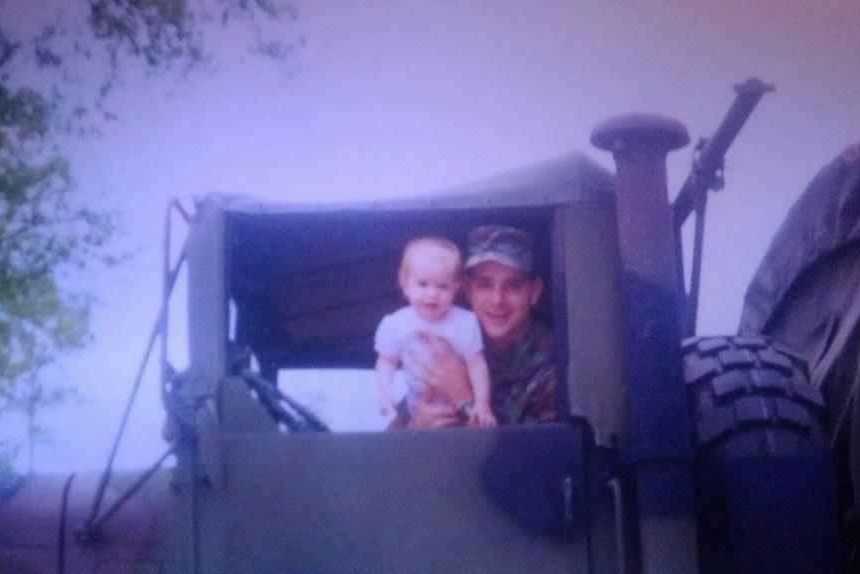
483, 416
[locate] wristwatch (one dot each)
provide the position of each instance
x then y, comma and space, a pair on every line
465, 408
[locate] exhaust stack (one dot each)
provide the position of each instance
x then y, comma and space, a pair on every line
657, 447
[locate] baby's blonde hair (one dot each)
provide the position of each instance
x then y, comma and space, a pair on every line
415, 245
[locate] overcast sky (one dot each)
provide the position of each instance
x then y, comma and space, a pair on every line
391, 98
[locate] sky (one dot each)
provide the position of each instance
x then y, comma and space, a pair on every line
401, 98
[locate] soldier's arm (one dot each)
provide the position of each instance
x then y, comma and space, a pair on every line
540, 400
479, 376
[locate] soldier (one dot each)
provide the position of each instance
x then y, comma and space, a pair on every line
502, 288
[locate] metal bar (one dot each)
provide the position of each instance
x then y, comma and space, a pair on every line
272, 400
692, 310
105, 478
132, 490
313, 422
620, 524
176, 206
679, 270
167, 282
194, 509
61, 537
269, 398
710, 160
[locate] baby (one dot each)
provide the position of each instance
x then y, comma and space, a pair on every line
429, 277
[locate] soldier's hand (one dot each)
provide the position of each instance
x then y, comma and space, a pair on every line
483, 417
433, 360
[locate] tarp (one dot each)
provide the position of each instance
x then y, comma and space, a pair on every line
824, 221
806, 296
569, 178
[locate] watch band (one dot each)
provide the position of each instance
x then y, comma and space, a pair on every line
465, 408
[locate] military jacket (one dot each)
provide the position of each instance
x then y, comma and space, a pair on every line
524, 379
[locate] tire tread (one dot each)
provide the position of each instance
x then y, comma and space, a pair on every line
746, 385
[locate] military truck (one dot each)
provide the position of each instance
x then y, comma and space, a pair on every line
670, 455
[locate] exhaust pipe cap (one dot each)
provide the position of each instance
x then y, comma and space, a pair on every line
622, 132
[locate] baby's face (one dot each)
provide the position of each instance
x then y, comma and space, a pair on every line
430, 286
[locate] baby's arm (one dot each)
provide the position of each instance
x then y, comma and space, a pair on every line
385, 369
479, 376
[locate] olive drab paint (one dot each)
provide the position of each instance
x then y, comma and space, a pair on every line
259, 486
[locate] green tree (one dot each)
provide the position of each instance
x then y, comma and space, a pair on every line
47, 230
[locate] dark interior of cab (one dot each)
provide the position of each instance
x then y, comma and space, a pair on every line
310, 288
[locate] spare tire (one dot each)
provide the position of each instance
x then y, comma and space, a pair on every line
763, 468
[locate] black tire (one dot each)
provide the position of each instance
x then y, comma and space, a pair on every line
750, 397
763, 468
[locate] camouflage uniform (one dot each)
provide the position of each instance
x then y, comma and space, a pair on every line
524, 379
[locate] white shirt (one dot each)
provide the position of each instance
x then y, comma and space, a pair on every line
459, 327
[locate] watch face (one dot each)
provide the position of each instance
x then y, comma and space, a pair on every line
465, 408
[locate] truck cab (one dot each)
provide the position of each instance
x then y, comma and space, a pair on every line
276, 289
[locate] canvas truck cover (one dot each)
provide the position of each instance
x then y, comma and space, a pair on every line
806, 292
566, 179
825, 220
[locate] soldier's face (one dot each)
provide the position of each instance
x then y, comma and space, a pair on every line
502, 297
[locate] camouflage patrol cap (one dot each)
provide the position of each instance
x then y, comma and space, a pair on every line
501, 243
